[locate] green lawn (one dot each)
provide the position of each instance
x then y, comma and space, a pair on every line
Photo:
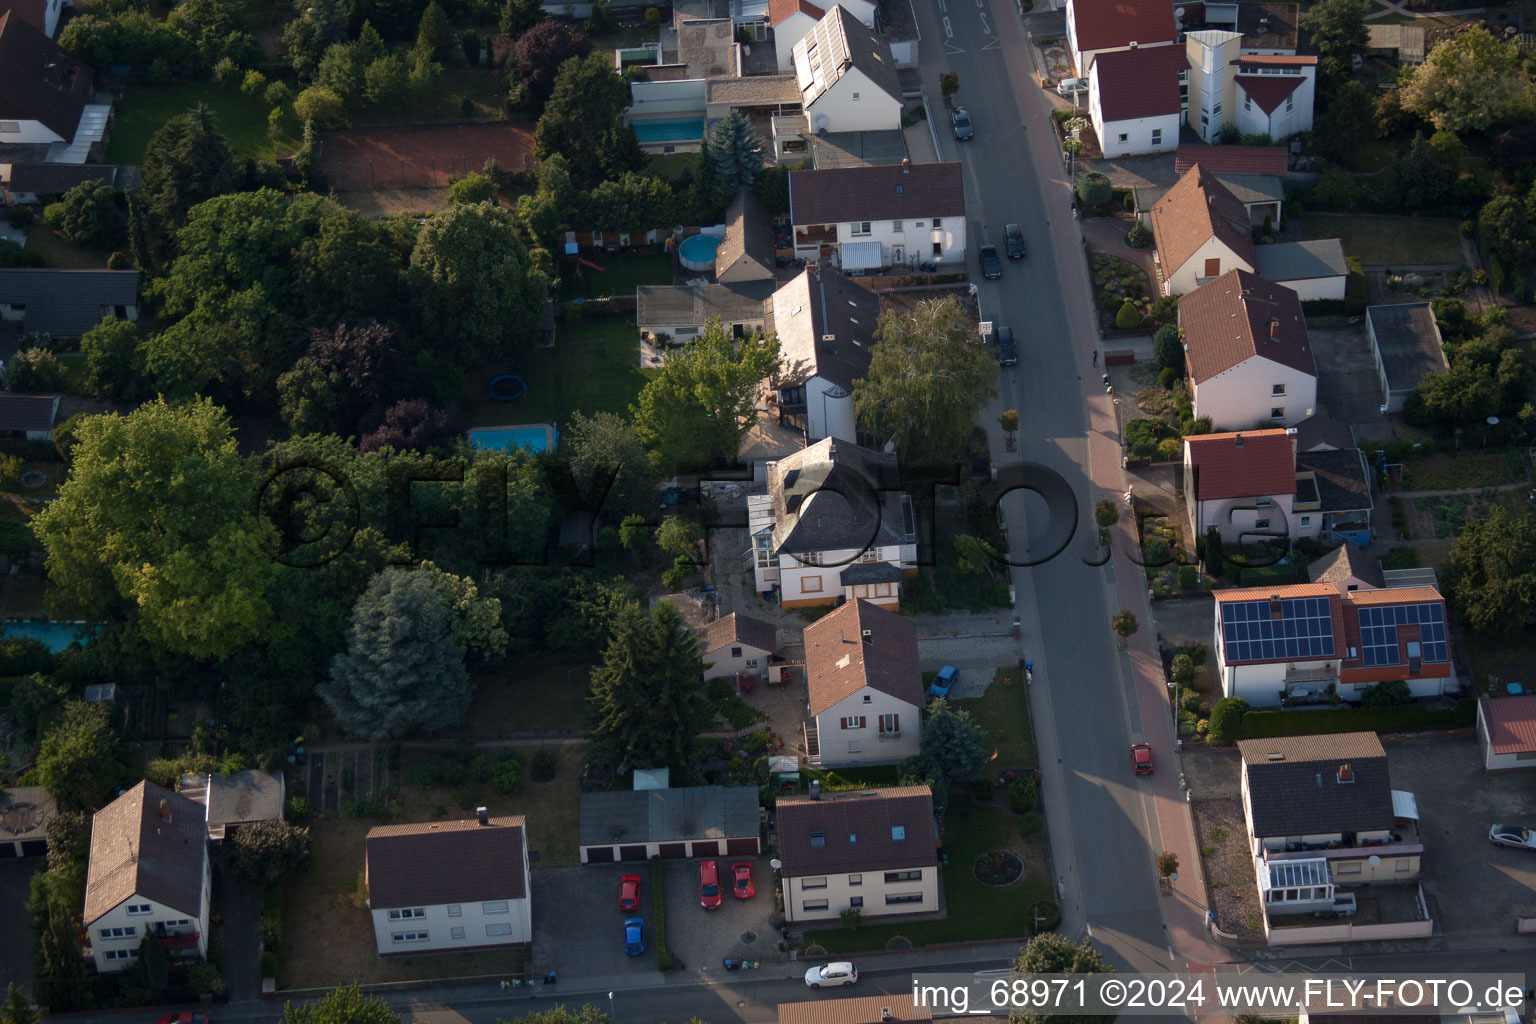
1390, 241
59, 252
241, 119
1376, 155
1003, 712
593, 367
622, 273
540, 696
672, 165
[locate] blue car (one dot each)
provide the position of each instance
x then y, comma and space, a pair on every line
634, 937
943, 681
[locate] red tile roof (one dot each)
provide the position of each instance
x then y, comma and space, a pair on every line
432, 863
1143, 82
1196, 209
1231, 159
1278, 590
1238, 316
1102, 24
1268, 91
1240, 465
840, 660
34, 12
779, 10
1511, 723
891, 1009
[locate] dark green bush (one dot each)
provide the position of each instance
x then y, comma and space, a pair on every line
1023, 795
544, 766
267, 964
1228, 718
1188, 577
1030, 823
1307, 722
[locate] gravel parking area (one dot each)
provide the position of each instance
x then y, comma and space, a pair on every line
740, 929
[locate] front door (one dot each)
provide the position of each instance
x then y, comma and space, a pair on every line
898, 256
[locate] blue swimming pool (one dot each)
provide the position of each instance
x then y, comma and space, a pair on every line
535, 437
670, 129
56, 635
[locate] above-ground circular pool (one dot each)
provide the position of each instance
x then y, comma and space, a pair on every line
698, 252
508, 388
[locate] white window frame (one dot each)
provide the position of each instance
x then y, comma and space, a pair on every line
1157, 136
494, 907
408, 914
455, 910
456, 932
499, 928
120, 932
399, 937
139, 909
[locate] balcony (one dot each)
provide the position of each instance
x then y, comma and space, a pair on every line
1310, 675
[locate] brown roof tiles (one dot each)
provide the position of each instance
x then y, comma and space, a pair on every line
432, 863
137, 852
1195, 210
1231, 159
1511, 723
1238, 316
736, 628
855, 1010
1102, 24
836, 195
1242, 465
840, 660
857, 830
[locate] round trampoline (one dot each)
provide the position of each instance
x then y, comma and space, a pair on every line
508, 388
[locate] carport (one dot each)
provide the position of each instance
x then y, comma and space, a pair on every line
691, 821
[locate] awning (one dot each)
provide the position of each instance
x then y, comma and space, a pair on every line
860, 255
1404, 805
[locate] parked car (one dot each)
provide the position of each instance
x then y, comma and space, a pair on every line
629, 892
1512, 835
841, 973
942, 682
991, 266
1014, 242
1007, 351
709, 885
184, 1018
1071, 86
634, 937
964, 130
741, 874
1141, 758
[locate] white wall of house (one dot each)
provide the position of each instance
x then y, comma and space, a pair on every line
29, 133
1243, 520
453, 926
736, 658
682, 332
861, 9
1314, 288
868, 727
855, 104
1291, 116
115, 935
1158, 134
786, 34
821, 898
904, 242
802, 585
1259, 685
1212, 93
829, 411
1245, 394
1194, 272
680, 97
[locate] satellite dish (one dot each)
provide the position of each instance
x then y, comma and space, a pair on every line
1375, 861
776, 864
1178, 12
1493, 421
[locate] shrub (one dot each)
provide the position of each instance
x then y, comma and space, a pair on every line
851, 918
1309, 721
1157, 551
652, 16
466, 795
299, 811
1190, 701
205, 978
1181, 669
1170, 449
1129, 317
1187, 723
254, 83
1030, 823
658, 907
1094, 189
267, 964
1188, 577
507, 775
35, 370
983, 789
1391, 693
1167, 377
1023, 795
1139, 237
22, 217
544, 766
1213, 553
1227, 719
227, 74
278, 93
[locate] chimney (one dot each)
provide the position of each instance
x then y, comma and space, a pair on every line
1237, 441
1346, 774
1274, 328
483, 815
815, 789
869, 636
906, 166
1274, 606
885, 1013
165, 809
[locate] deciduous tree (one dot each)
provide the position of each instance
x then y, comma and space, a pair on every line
956, 744
17, 1008
93, 215
1468, 82
642, 704
1338, 27
1049, 953
347, 374
541, 52
112, 363
341, 1006
604, 452
582, 121
1506, 229
1349, 120
1227, 719
634, 203
269, 851
77, 761
36, 370
1490, 577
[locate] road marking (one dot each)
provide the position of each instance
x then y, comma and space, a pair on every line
949, 31
950, 48
984, 26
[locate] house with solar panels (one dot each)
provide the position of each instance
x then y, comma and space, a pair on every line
1309, 643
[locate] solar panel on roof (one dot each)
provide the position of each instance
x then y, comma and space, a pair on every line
1304, 629
1379, 638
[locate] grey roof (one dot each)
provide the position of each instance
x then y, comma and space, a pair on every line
1250, 189
751, 90
1321, 431
826, 327
685, 305
860, 573
858, 149
67, 303
1407, 343
746, 253
27, 412
24, 813
668, 815
1344, 562
1294, 787
1343, 482
63, 177
236, 799
839, 43
1302, 261
835, 496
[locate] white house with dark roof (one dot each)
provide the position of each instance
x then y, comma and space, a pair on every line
43, 89
833, 526
241, 798
1133, 100
893, 215
846, 76
825, 324
792, 20
679, 313
865, 687
874, 850
30, 417
1314, 269
1407, 346
449, 885
1506, 732
738, 644
67, 303
148, 875
1245, 486
1095, 27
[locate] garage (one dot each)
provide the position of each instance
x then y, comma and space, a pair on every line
696, 821
24, 814
1506, 732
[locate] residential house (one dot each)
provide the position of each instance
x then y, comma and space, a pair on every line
1402, 43
40, 14
738, 644
1407, 346
825, 324
793, 19
1262, 195
1133, 99
1245, 486
1298, 643
1266, 28
897, 1008
1341, 484
1327, 831
865, 687
1101, 26
1506, 732
745, 254
24, 814
449, 885
874, 850
690, 821
1248, 353
67, 303
1223, 160
846, 76
1323, 433
240, 798
679, 313
879, 216
1202, 231
1347, 568
1258, 94
833, 526
24, 183
148, 875
46, 94
1314, 269
30, 417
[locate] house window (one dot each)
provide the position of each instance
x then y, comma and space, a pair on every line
1307, 521
854, 902
735, 652
860, 227
410, 936
870, 555
937, 223
504, 928
903, 897
140, 908
903, 876
1247, 103
1157, 136
119, 933
868, 699
818, 839
855, 97
1277, 412
454, 910
855, 879
814, 883
810, 905
408, 914
1276, 390
1263, 502
1346, 867
898, 834
1404, 865
1290, 104
10, 126
855, 746
853, 839
1216, 110
853, 722
122, 954
1125, 137
1261, 524
496, 907
890, 727
810, 584
1213, 267
456, 933
896, 224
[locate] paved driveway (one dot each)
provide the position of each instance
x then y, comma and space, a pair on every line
16, 938
578, 929
1475, 888
740, 929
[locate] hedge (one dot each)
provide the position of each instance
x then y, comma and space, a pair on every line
1302, 722
1356, 295
658, 904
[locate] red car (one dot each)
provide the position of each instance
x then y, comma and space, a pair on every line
184, 1018
629, 892
710, 897
1141, 758
742, 872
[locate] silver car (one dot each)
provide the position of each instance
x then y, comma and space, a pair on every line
832, 975
1512, 835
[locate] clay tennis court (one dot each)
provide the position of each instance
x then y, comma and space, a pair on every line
423, 156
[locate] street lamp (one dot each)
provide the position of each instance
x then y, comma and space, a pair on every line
610, 1006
